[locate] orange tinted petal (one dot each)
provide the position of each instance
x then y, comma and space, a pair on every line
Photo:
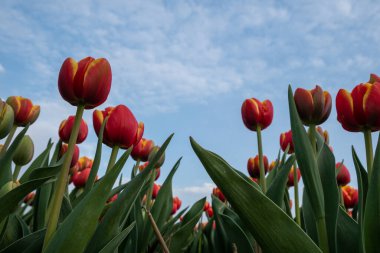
345, 111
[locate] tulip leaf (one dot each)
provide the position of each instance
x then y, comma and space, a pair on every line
348, 233
256, 210
326, 165
55, 155
49, 171
277, 188
306, 160
181, 238
82, 221
30, 243
372, 207
308, 217
117, 240
10, 200
40, 206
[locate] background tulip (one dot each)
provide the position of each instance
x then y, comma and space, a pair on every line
80, 178
66, 128
257, 114
24, 110
6, 119
218, 193
286, 140
290, 182
87, 82
142, 150
156, 189
29, 198
254, 168
121, 129
84, 162
24, 152
343, 175
350, 196
75, 158
324, 134
313, 106
143, 166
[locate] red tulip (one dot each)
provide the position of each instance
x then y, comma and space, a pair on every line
24, 110
287, 140
156, 189
84, 162
142, 150
360, 109
66, 128
112, 199
290, 182
206, 206
254, 168
210, 212
313, 106
218, 193
80, 178
256, 180
257, 114
121, 128
75, 158
350, 196
143, 166
176, 205
29, 198
343, 177
87, 82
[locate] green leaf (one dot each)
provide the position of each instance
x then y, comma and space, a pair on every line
117, 240
306, 160
40, 206
326, 165
277, 188
256, 210
348, 233
9, 202
372, 207
83, 220
181, 239
50, 171
30, 243
308, 217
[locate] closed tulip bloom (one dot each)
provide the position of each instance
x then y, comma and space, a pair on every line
206, 206
257, 114
176, 205
218, 193
6, 119
84, 162
290, 182
66, 128
75, 158
29, 198
87, 82
287, 140
210, 212
343, 177
142, 150
156, 189
360, 109
24, 110
24, 152
254, 168
121, 128
350, 196
313, 106
80, 178
324, 134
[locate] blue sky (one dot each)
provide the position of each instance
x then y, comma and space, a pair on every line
187, 66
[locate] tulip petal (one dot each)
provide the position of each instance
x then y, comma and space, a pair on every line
266, 114
357, 95
251, 113
318, 102
305, 104
345, 111
79, 76
371, 104
66, 80
326, 108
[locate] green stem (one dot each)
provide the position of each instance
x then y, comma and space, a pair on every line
61, 182
368, 151
296, 197
150, 190
161, 240
136, 167
113, 157
261, 161
312, 136
8, 140
322, 235
16, 172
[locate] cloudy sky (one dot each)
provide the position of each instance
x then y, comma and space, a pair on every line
187, 66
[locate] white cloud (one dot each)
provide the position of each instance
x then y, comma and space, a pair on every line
204, 189
2, 69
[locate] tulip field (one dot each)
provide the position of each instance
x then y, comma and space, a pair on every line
57, 201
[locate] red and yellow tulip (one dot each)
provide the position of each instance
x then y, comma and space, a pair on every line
142, 150
343, 177
254, 168
350, 196
66, 127
286, 140
24, 110
257, 114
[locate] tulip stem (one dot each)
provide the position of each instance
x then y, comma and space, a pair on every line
134, 171
322, 235
150, 190
261, 161
368, 151
9, 139
62, 180
296, 197
312, 136
111, 163
16, 172
157, 232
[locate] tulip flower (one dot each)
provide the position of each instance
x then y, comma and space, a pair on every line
206, 206
29, 198
324, 134
218, 193
291, 175
142, 150
66, 128
112, 199
256, 180
156, 189
24, 111
350, 196
6, 119
176, 205
210, 212
84, 162
286, 140
87, 82
257, 114
75, 158
144, 165
313, 106
343, 177
80, 178
254, 168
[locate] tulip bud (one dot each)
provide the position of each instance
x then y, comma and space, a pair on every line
218, 193
287, 140
84, 162
142, 150
210, 212
359, 110
256, 114
253, 166
160, 161
29, 198
6, 119
324, 134
206, 206
80, 178
313, 106
350, 196
87, 82
24, 152
66, 127
63, 151
176, 205
291, 177
112, 199
24, 110
156, 189
121, 128
343, 177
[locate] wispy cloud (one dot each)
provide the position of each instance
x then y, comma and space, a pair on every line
2, 69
